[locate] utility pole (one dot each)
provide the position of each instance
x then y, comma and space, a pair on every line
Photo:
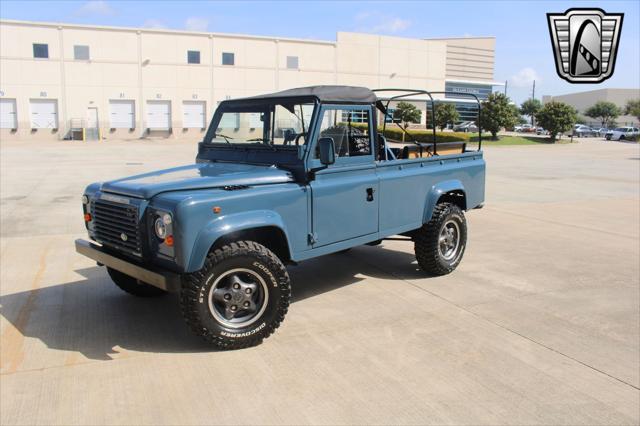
533, 97
505, 87
533, 93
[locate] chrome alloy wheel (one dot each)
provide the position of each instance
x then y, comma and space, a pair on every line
449, 240
238, 298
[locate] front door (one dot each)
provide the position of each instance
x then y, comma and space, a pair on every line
91, 132
345, 194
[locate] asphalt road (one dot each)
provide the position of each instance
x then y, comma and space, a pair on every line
539, 325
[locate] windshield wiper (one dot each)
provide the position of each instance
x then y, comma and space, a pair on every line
226, 138
256, 140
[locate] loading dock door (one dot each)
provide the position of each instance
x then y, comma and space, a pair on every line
44, 113
8, 118
159, 115
193, 114
122, 115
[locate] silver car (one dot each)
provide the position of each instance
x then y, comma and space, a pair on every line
582, 131
622, 133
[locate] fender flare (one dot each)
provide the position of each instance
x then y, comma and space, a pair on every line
437, 191
227, 224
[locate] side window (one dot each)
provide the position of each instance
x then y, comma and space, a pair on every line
349, 129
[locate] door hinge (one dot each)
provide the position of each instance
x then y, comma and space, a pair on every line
312, 238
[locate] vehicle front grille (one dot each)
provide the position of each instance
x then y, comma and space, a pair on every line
117, 225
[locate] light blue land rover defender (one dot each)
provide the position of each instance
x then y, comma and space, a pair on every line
278, 179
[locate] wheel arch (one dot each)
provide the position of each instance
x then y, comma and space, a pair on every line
265, 227
451, 191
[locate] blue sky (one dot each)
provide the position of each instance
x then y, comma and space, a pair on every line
523, 50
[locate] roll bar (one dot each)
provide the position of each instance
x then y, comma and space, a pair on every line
413, 92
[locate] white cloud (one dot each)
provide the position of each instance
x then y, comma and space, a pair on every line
524, 78
376, 22
95, 7
154, 24
196, 24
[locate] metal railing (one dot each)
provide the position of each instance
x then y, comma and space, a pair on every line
414, 92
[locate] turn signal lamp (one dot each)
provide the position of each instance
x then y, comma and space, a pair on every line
87, 217
169, 240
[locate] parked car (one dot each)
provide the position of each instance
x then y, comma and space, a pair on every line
583, 131
466, 126
622, 133
602, 131
525, 128
219, 232
541, 131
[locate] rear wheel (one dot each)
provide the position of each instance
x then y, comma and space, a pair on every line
439, 245
134, 286
239, 297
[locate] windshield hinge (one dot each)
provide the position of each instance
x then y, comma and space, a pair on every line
312, 238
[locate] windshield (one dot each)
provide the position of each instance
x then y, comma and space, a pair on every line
621, 129
285, 124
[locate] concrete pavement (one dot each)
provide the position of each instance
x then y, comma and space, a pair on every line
539, 325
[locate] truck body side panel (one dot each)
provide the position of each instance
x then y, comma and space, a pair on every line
409, 189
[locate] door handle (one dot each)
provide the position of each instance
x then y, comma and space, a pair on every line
370, 192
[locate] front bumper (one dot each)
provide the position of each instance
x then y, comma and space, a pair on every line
156, 277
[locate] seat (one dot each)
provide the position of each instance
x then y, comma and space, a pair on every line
425, 150
340, 139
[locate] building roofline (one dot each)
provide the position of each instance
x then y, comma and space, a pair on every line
460, 38
205, 33
60, 25
486, 82
596, 90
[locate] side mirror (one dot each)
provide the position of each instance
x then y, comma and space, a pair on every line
327, 151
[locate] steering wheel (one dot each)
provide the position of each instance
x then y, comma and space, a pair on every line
299, 136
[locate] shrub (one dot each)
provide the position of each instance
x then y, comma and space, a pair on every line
557, 117
497, 112
425, 136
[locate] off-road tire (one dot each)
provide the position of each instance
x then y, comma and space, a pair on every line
426, 240
196, 288
133, 286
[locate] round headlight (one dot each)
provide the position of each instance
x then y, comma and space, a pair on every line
160, 228
85, 199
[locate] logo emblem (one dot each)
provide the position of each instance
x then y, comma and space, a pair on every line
585, 43
124, 237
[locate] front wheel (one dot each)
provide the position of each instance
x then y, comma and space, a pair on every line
439, 245
239, 297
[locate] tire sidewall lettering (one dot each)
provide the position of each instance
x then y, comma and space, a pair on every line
266, 271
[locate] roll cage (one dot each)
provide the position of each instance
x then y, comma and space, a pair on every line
383, 106
323, 95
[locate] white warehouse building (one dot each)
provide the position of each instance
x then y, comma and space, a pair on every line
59, 81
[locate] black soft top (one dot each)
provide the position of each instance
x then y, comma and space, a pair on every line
348, 94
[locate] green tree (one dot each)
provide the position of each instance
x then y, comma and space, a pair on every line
406, 113
446, 113
531, 107
606, 112
498, 112
557, 117
633, 108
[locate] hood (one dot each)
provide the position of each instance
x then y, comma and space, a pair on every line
196, 176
